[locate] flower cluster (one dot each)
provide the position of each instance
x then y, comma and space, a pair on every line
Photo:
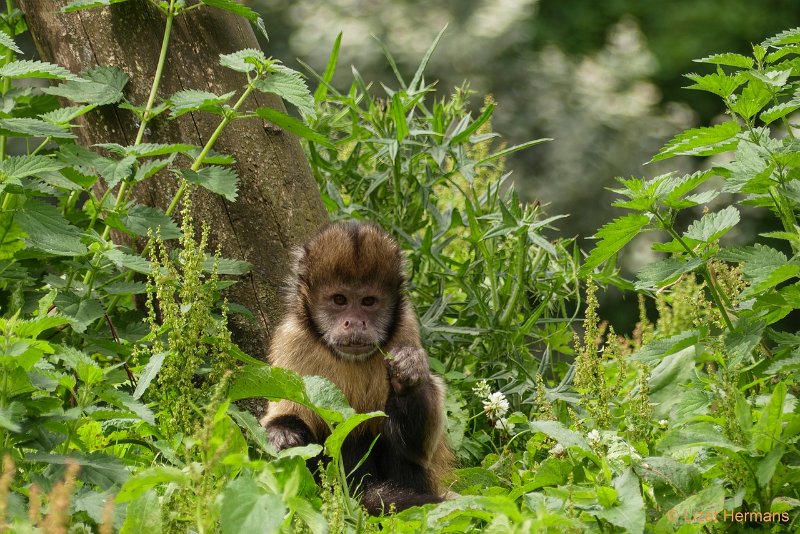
495, 406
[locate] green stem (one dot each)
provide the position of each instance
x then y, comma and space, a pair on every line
703, 270
9, 56
518, 282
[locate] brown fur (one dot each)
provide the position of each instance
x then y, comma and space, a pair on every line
364, 255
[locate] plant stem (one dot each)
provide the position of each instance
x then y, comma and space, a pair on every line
9, 56
703, 270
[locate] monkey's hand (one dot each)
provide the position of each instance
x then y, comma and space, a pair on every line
408, 368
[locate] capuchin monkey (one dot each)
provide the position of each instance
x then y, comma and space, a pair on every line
348, 320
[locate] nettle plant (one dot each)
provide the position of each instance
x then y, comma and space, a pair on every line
725, 351
491, 288
73, 342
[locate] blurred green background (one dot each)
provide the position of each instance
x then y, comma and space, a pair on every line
603, 79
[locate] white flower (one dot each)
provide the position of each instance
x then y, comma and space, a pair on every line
482, 389
594, 436
503, 424
495, 406
557, 450
663, 422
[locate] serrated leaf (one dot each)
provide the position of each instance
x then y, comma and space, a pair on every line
701, 141
244, 60
125, 288
661, 273
76, 5
7, 41
613, 236
141, 218
149, 168
763, 266
128, 261
114, 171
697, 435
17, 167
233, 7
157, 149
27, 127
752, 99
783, 38
220, 180
732, 60
289, 85
125, 401
99, 86
48, 230
711, 226
226, 266
64, 115
291, 124
11, 236
779, 111
660, 348
189, 100
675, 188
26, 68
79, 311
720, 84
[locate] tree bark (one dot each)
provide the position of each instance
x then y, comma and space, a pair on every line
278, 205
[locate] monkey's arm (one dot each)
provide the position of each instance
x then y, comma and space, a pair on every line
415, 405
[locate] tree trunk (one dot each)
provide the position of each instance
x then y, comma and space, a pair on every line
278, 205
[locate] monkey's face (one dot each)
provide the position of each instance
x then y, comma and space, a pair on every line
353, 319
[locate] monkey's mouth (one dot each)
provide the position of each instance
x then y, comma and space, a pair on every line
355, 349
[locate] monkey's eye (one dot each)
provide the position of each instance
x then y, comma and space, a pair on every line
368, 301
339, 300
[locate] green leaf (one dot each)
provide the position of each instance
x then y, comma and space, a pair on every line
220, 180
103, 470
767, 431
149, 372
11, 236
79, 311
334, 442
48, 230
732, 60
398, 117
233, 7
417, 79
745, 337
25, 68
662, 273
156, 149
674, 189
246, 507
613, 236
701, 141
99, 86
148, 479
289, 85
763, 266
718, 83
697, 435
628, 511
26, 127
712, 226
114, 171
563, 435
128, 261
292, 125
7, 41
189, 100
273, 383
140, 218
226, 266
752, 99
16, 167
779, 111
322, 89
143, 515
76, 5
257, 433
706, 504
246, 60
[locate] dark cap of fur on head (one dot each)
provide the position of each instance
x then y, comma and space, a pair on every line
350, 252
